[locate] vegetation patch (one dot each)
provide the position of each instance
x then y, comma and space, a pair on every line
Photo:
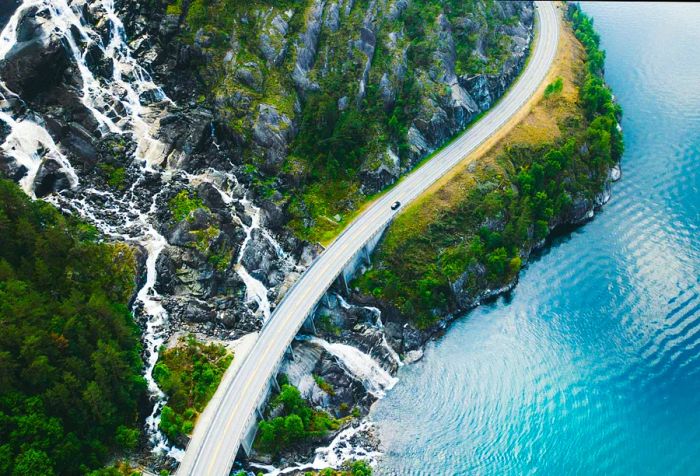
350, 468
326, 324
334, 146
295, 422
472, 232
324, 385
117, 469
116, 176
70, 365
184, 203
189, 374
555, 87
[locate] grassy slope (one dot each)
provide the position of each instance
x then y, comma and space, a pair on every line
480, 218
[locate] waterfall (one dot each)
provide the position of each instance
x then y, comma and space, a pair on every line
28, 143
360, 365
255, 289
340, 450
378, 318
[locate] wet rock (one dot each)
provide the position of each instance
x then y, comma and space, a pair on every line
347, 392
185, 133
38, 60
50, 178
261, 260
10, 169
273, 215
5, 131
615, 173
300, 369
7, 11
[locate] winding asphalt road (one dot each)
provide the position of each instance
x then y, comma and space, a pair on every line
221, 429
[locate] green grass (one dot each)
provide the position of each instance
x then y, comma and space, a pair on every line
555, 87
183, 204
324, 385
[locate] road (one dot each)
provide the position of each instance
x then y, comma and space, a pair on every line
217, 437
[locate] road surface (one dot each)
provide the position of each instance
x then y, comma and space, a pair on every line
218, 434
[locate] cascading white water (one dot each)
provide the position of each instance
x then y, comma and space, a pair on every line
28, 144
340, 450
363, 367
255, 289
378, 321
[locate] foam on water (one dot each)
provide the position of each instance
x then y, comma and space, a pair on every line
343, 448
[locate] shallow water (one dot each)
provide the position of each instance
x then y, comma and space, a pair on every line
592, 365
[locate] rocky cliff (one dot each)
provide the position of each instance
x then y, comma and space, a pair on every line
346, 95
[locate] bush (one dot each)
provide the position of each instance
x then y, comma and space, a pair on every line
297, 422
554, 87
184, 203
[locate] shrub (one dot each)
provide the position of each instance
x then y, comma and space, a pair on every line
297, 422
184, 203
189, 374
555, 87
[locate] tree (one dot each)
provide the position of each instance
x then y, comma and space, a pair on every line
496, 263
33, 463
293, 428
127, 437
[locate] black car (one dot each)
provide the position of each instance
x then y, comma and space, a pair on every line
395, 205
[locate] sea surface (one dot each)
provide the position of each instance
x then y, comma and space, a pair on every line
592, 365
